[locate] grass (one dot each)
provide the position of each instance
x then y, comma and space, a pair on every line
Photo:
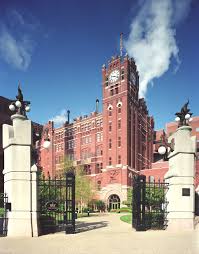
80, 215
126, 218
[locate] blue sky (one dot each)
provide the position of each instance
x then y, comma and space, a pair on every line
56, 50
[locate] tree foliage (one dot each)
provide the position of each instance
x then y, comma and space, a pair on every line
154, 195
84, 188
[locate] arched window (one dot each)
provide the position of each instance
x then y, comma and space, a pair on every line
110, 111
119, 110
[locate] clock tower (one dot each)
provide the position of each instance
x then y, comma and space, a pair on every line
127, 128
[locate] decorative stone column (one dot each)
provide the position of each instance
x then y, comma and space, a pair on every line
20, 177
180, 176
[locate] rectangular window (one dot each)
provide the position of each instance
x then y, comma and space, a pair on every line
98, 185
97, 168
56, 160
119, 159
119, 124
106, 81
111, 92
116, 90
110, 126
119, 141
110, 144
98, 137
110, 161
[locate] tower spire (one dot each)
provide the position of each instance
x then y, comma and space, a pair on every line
121, 43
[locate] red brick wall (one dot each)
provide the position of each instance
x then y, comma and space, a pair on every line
136, 132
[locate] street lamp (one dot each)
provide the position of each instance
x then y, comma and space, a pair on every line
46, 143
165, 148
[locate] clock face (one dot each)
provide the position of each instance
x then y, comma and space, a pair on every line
114, 76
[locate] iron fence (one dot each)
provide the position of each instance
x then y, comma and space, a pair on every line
3, 214
56, 202
149, 204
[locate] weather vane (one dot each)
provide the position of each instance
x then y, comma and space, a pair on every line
20, 106
184, 116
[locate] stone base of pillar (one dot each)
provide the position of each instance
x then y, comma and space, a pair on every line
177, 225
22, 224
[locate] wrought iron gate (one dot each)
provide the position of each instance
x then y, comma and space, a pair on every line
57, 204
3, 214
149, 204
70, 203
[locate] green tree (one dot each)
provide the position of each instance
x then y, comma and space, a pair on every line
128, 202
84, 188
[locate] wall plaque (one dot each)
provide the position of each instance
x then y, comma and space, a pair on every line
185, 191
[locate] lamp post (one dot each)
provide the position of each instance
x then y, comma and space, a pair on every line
165, 148
21, 107
46, 143
183, 118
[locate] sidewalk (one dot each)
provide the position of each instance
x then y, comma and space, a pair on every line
105, 234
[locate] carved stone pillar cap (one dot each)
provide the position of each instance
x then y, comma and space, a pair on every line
18, 116
185, 127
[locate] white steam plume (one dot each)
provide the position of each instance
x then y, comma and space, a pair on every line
60, 119
152, 41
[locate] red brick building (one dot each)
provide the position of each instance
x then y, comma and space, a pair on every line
160, 167
110, 145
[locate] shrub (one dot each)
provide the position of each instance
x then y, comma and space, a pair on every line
47, 224
1, 212
154, 220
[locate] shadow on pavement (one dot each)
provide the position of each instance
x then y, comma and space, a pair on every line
86, 226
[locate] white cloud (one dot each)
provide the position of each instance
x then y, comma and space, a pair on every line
16, 53
16, 43
61, 118
152, 38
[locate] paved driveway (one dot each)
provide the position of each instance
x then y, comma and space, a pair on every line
105, 234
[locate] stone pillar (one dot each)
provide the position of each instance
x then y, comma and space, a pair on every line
20, 177
180, 176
